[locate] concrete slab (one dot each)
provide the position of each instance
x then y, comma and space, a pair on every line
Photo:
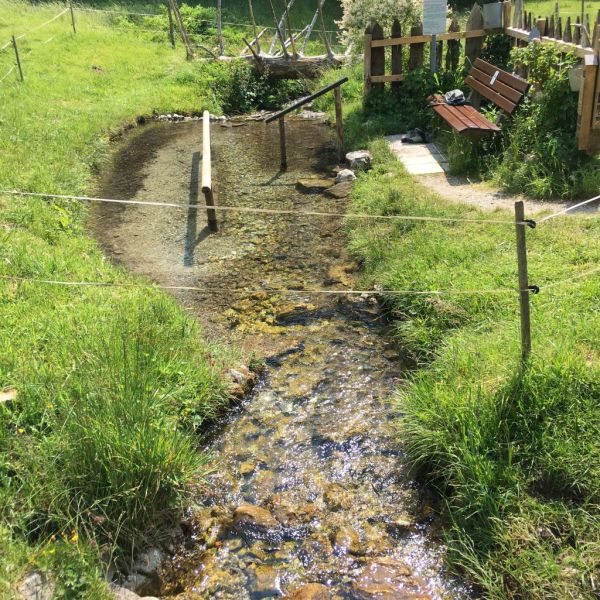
418, 159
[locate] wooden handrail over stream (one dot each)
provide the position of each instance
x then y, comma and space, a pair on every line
207, 173
339, 127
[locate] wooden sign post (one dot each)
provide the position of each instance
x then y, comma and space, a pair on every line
524, 289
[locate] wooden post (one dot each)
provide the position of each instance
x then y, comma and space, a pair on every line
473, 46
416, 51
14, 43
506, 10
517, 19
453, 51
396, 58
207, 173
282, 146
324, 33
377, 57
367, 60
279, 32
220, 28
551, 27
339, 124
523, 281
72, 17
256, 36
189, 54
171, 28
433, 54
567, 32
587, 96
577, 32
289, 26
559, 29
310, 28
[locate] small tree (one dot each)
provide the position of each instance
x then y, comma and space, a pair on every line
359, 13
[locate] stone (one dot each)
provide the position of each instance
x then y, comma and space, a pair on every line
149, 561
140, 584
337, 498
314, 549
36, 586
345, 175
289, 514
120, 593
255, 522
314, 184
242, 377
265, 582
346, 540
247, 467
400, 525
340, 190
359, 160
385, 579
8, 396
310, 591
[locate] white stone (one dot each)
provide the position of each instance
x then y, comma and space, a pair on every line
359, 160
36, 586
345, 175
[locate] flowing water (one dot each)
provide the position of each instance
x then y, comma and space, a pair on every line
310, 485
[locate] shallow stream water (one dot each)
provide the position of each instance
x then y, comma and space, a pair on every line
310, 485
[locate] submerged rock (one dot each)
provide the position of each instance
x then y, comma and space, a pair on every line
149, 561
340, 190
359, 160
386, 579
337, 498
310, 591
121, 593
265, 582
255, 522
314, 184
346, 540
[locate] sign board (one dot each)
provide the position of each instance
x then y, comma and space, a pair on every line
434, 17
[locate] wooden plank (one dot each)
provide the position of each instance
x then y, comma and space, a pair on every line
339, 124
473, 46
417, 50
420, 39
387, 78
565, 46
504, 76
567, 37
504, 90
517, 20
377, 57
477, 118
396, 57
452, 119
490, 94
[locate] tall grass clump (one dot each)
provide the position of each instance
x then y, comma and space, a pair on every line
511, 449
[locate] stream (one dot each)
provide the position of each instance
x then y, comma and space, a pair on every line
310, 495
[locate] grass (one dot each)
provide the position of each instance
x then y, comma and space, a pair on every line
567, 8
512, 452
113, 385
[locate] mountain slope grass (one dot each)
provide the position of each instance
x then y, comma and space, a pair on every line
105, 390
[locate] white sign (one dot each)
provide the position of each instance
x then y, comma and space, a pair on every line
434, 17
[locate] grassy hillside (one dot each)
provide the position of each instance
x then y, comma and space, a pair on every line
104, 391
512, 451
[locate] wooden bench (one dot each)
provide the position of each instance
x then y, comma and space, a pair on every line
501, 88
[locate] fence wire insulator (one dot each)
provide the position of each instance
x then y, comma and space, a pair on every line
534, 289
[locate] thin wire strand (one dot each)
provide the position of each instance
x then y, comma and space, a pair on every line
566, 210
285, 291
7, 73
269, 211
60, 14
572, 279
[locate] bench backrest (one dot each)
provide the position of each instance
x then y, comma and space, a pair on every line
500, 87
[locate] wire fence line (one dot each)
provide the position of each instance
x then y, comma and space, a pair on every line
284, 291
572, 279
269, 211
38, 27
570, 208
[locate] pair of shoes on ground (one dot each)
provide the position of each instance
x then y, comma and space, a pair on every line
414, 136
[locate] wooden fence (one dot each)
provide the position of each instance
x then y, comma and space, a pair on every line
518, 24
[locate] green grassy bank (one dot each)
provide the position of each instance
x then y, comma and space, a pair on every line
512, 451
104, 390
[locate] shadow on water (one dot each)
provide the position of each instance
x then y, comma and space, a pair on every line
312, 452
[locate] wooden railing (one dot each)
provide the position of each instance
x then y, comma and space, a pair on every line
280, 116
207, 189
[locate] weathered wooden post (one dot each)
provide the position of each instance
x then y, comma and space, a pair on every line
524, 289
396, 58
207, 173
587, 96
279, 32
323, 32
473, 46
14, 43
377, 57
416, 51
171, 27
256, 38
220, 28
72, 17
282, 145
339, 123
453, 51
367, 60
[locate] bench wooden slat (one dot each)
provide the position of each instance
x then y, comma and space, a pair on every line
507, 78
452, 119
490, 94
505, 90
478, 118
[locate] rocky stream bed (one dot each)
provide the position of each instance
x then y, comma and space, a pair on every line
310, 496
